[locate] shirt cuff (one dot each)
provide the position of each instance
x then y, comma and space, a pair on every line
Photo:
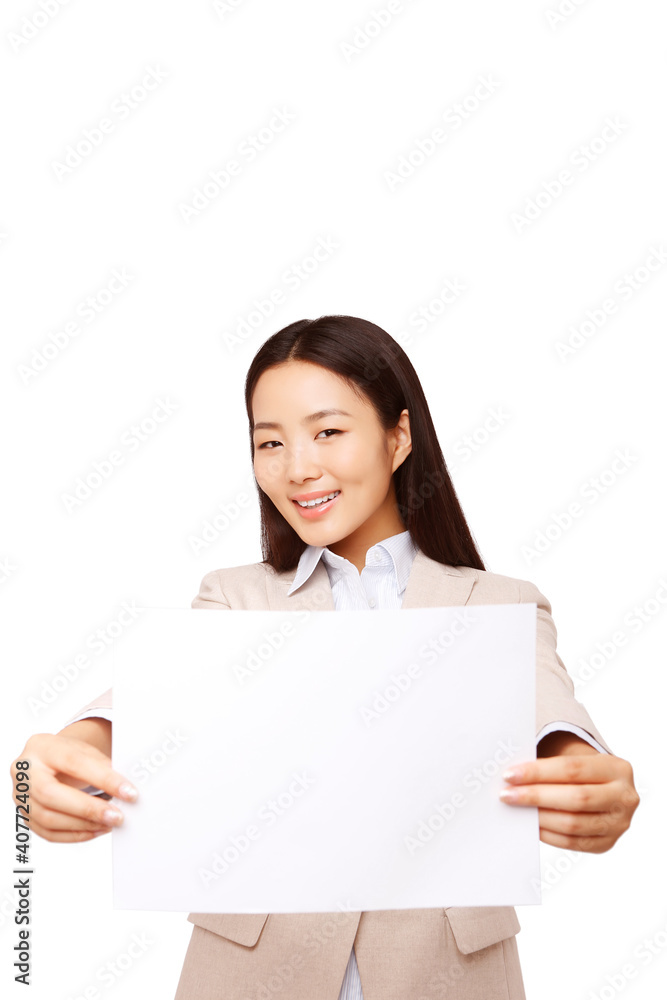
93, 713
554, 727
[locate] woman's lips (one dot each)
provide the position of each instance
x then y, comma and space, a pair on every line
310, 513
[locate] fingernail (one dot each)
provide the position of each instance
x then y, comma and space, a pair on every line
112, 816
128, 791
512, 772
509, 794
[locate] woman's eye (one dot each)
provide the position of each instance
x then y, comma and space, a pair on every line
329, 430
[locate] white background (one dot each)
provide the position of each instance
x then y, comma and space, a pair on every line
66, 572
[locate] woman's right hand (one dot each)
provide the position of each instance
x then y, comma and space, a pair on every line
59, 810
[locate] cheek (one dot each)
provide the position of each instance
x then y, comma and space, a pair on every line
378, 470
357, 472
263, 481
266, 471
352, 462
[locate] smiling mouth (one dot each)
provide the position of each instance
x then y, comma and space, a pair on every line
319, 502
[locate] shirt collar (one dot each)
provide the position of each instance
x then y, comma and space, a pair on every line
400, 548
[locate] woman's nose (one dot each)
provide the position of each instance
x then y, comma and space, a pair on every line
300, 464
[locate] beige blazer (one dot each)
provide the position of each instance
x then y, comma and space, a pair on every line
466, 952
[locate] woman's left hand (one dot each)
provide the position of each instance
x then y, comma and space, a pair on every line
585, 799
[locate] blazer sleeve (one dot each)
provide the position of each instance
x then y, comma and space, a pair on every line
102, 704
554, 686
210, 594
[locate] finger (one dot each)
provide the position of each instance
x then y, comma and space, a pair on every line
54, 819
571, 798
55, 796
85, 762
589, 768
592, 845
575, 824
67, 836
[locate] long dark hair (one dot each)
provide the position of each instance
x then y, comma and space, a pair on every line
376, 368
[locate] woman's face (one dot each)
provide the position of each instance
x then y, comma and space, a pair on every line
347, 452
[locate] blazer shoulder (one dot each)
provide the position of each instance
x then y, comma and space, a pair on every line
512, 588
249, 571
232, 586
489, 586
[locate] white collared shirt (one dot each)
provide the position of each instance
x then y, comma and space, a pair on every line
381, 583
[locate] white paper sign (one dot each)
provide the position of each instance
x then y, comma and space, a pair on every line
286, 761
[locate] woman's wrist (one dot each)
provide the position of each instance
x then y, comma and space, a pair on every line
563, 742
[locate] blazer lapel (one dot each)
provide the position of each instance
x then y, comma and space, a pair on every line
430, 585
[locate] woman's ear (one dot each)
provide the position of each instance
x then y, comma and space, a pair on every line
403, 440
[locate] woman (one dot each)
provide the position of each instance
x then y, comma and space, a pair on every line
336, 410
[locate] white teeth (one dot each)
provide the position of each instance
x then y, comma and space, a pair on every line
314, 503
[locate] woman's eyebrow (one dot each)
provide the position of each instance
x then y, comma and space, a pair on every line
272, 426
